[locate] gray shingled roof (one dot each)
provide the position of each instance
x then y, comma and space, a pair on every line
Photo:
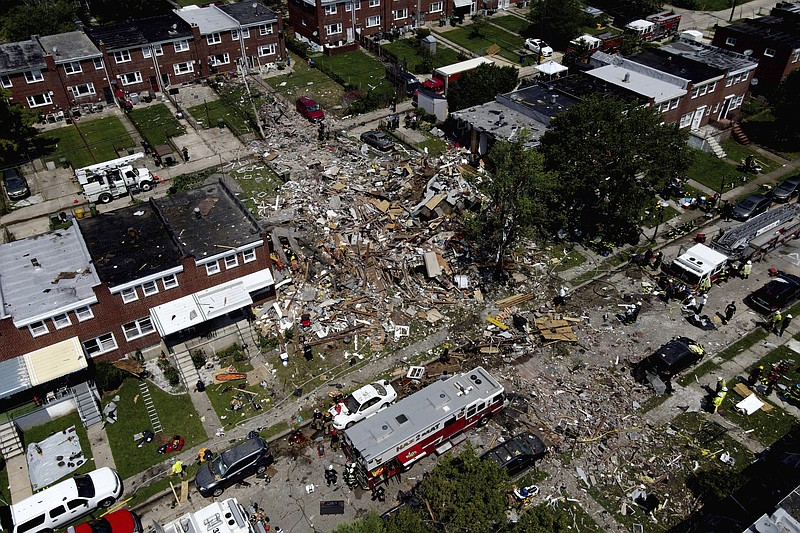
21, 56
72, 46
247, 15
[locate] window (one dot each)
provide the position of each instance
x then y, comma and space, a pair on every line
38, 328
84, 89
183, 68
61, 321
159, 49
737, 101
74, 504
686, 120
266, 29
795, 56
231, 261
212, 268
436, 7
146, 52
663, 107
712, 86
401, 13
266, 50
98, 63
129, 295
130, 78
73, 67
57, 511
219, 59
348, 7
213, 38
358, 5
728, 81
31, 524
675, 103
34, 76
6, 81
330, 9
169, 282
373, 21
769, 52
84, 313
38, 100
245, 33
102, 344
248, 256
138, 328
332, 29
374, 3
716, 107
730, 41
149, 288
122, 56
182, 46
234, 35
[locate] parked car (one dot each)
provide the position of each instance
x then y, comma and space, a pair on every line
310, 109
678, 354
16, 186
377, 139
119, 521
779, 293
398, 76
787, 189
252, 456
517, 453
753, 205
363, 403
538, 46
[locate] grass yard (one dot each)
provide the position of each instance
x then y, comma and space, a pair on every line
509, 44
711, 171
233, 107
713, 5
259, 185
306, 81
650, 216
156, 123
85, 143
566, 257
406, 53
760, 128
40, 433
177, 415
357, 69
435, 145
223, 395
511, 23
737, 152
5, 490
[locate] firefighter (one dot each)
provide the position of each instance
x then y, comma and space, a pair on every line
327, 423
794, 394
331, 476
316, 421
350, 475
755, 375
772, 380
785, 324
705, 285
716, 402
730, 310
775, 320
746, 268
721, 384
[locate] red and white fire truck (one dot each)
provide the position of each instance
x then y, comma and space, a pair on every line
655, 27
430, 420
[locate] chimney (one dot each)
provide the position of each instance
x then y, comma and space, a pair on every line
627, 77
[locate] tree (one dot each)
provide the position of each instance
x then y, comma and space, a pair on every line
480, 85
610, 157
785, 105
39, 17
17, 131
404, 521
557, 21
543, 518
639, 9
479, 23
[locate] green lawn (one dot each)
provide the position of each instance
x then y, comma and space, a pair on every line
509, 43
305, 81
39, 433
512, 23
259, 187
238, 116
567, 257
156, 123
435, 146
713, 5
222, 394
5, 490
407, 54
737, 152
357, 69
86, 142
710, 171
177, 415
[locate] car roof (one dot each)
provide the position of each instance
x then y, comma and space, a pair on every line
673, 351
523, 444
365, 393
755, 198
793, 180
244, 449
306, 100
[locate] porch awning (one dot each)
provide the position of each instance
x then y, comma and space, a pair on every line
199, 307
463, 3
13, 377
55, 361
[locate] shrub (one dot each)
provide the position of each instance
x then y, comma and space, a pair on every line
108, 377
233, 351
198, 358
267, 343
171, 375
423, 32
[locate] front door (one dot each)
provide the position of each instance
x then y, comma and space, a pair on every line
154, 84
698, 117
726, 105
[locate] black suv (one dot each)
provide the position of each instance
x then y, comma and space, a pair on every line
232, 466
678, 354
779, 293
15, 184
517, 453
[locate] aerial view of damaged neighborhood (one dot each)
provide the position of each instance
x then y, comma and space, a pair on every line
399, 266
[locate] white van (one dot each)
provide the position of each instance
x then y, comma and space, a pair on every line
64, 502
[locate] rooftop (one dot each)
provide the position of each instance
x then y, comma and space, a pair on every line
771, 30
502, 122
246, 14
712, 56
682, 66
71, 46
21, 56
43, 274
651, 88
140, 32
209, 19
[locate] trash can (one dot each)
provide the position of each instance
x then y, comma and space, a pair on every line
130, 151
285, 175
93, 209
134, 98
79, 213
220, 123
54, 220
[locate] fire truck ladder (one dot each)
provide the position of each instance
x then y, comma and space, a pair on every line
734, 241
147, 400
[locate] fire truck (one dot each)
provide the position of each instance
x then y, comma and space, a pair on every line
431, 420
655, 27
115, 178
225, 516
579, 49
444, 76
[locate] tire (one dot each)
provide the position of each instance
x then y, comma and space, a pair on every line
349, 425
108, 502
483, 421
218, 492
384, 406
105, 198
261, 469
146, 185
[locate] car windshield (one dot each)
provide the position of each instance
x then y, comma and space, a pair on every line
15, 181
101, 525
747, 204
313, 108
85, 486
351, 403
380, 389
218, 466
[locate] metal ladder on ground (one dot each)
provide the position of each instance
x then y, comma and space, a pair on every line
155, 422
736, 239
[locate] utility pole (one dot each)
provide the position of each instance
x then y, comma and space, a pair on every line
250, 96
733, 9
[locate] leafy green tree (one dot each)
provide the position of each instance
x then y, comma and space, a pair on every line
404, 521
639, 9
543, 518
478, 25
39, 17
557, 21
17, 131
611, 156
785, 105
480, 85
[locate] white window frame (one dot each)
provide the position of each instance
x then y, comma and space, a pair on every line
129, 295
212, 60
98, 63
675, 102
769, 52
122, 56
158, 49
213, 38
212, 268
330, 9
796, 56
181, 46
436, 7
357, 4
169, 282
137, 78
695, 91
46, 100
374, 3
61, 321
333, 29
34, 76
728, 81
686, 120
712, 86
376, 21
149, 288
265, 29
231, 261
6, 81
146, 52
248, 256
737, 101
234, 35
267, 50
245, 33
73, 67
84, 313
187, 67
138, 328
101, 344
38, 329
730, 41
397, 12
77, 93
348, 7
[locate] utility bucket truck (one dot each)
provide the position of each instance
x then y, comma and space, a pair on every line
113, 179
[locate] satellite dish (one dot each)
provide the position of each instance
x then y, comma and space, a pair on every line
748, 52
754, 82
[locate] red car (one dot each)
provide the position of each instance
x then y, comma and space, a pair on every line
310, 109
119, 521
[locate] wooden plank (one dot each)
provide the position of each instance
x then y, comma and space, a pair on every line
184, 491
514, 300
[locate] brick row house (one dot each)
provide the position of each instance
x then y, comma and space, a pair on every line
774, 41
144, 277
99, 63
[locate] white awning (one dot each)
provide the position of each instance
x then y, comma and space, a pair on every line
55, 361
551, 67
13, 377
463, 3
217, 301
